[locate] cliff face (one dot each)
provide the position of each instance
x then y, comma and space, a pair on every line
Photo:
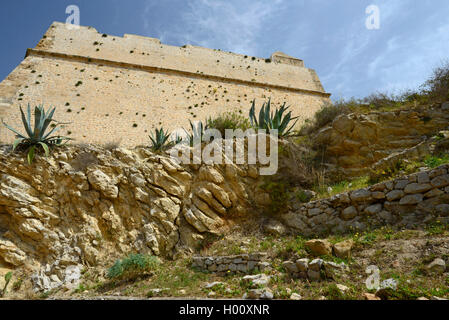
87, 206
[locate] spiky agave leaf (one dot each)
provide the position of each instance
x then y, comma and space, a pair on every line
37, 136
277, 119
159, 139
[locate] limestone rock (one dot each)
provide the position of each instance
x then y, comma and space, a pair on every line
343, 249
275, 227
370, 296
437, 266
302, 264
319, 247
295, 296
349, 213
101, 182
257, 280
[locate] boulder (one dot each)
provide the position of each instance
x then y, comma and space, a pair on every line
436, 266
343, 249
319, 247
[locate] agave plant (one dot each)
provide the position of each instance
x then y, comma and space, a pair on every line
197, 132
272, 120
159, 140
37, 136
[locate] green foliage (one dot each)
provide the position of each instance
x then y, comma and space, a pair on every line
228, 120
8, 277
327, 113
435, 161
132, 266
37, 136
197, 133
160, 140
268, 120
437, 86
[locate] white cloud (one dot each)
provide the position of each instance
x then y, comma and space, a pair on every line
229, 25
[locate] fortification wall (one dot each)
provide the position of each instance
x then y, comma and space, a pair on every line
120, 88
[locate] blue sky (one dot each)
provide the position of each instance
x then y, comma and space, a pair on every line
330, 36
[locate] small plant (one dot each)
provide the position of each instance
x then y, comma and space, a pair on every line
268, 120
159, 140
228, 120
37, 136
435, 161
8, 277
197, 132
132, 266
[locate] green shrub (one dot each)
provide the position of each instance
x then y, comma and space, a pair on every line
435, 161
228, 120
37, 137
8, 277
327, 113
437, 86
132, 266
197, 132
268, 120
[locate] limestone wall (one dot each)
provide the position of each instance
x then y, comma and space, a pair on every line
409, 201
118, 89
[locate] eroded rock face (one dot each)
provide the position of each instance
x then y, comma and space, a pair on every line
88, 206
358, 143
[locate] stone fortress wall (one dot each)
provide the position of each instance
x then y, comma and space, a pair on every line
118, 89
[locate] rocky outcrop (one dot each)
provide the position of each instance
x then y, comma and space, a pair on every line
355, 142
409, 201
87, 206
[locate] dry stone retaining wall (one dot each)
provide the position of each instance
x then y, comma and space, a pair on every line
242, 263
409, 201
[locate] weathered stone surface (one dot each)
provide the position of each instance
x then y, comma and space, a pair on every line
442, 209
417, 188
433, 193
101, 182
440, 181
343, 249
295, 296
437, 266
257, 280
316, 264
290, 266
349, 213
401, 184
319, 247
134, 200
302, 264
370, 296
360, 195
275, 227
394, 195
411, 199
373, 209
